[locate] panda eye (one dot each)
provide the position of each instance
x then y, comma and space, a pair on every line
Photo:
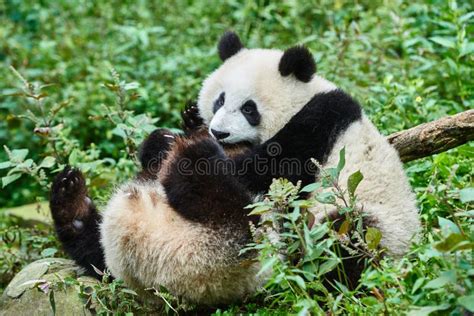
248, 108
250, 111
219, 102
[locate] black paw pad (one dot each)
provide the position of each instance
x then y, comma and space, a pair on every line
69, 196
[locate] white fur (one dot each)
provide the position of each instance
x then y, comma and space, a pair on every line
148, 245
384, 194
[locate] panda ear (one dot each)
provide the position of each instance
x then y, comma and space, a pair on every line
298, 61
229, 45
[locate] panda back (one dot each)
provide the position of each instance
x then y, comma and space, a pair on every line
384, 194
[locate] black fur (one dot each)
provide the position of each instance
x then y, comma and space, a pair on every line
299, 62
250, 112
199, 186
218, 103
77, 220
311, 133
192, 121
229, 45
153, 151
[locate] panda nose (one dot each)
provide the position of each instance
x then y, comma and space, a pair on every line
219, 135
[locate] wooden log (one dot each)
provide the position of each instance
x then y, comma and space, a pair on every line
434, 137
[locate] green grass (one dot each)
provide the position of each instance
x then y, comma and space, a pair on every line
407, 62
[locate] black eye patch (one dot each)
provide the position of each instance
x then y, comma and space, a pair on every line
219, 102
250, 111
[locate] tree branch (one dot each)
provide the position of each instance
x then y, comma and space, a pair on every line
434, 137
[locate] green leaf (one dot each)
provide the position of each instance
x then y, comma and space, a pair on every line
128, 291
466, 17
298, 280
52, 302
311, 187
450, 242
9, 179
18, 155
131, 86
260, 210
447, 277
353, 181
344, 229
319, 231
48, 162
448, 226
369, 301
342, 159
373, 237
5, 164
119, 131
444, 41
427, 310
267, 264
73, 157
418, 283
49, 252
326, 198
467, 302
466, 49
328, 266
466, 195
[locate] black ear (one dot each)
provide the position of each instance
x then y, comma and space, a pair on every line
298, 61
229, 45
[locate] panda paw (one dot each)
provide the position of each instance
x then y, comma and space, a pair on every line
205, 149
154, 149
69, 200
191, 119
193, 158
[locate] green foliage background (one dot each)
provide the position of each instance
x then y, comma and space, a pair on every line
407, 62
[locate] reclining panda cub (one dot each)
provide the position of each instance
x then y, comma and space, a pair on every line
182, 229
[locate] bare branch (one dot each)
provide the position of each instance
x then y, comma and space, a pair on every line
434, 137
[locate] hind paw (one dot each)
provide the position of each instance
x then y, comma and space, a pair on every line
69, 200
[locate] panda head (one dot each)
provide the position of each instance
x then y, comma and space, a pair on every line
254, 93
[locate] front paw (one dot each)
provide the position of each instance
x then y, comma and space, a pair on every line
193, 157
200, 149
69, 200
155, 148
192, 121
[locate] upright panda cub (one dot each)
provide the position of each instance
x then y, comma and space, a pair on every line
183, 228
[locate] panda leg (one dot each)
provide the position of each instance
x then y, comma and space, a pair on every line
76, 220
200, 186
353, 264
154, 150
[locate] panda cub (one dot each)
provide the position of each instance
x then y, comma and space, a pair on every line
182, 227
